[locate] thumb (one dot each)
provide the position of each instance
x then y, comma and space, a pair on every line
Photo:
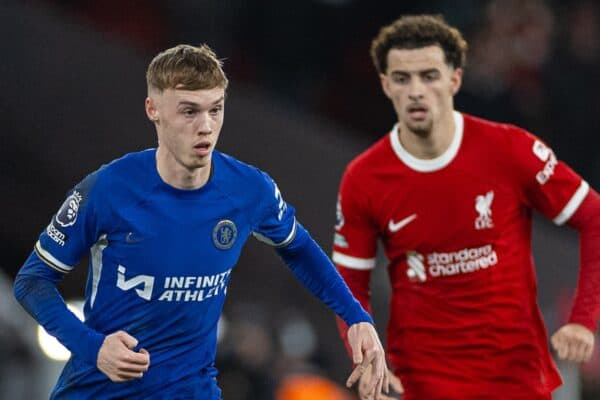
127, 339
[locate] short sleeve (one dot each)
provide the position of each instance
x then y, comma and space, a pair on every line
276, 225
550, 185
355, 238
73, 229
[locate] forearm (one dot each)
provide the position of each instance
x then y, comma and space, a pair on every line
359, 282
35, 288
314, 269
586, 220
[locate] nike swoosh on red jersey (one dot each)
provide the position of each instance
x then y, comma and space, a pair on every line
396, 226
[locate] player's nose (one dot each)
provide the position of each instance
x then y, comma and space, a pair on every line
204, 125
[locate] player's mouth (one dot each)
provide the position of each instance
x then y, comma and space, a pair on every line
417, 112
202, 148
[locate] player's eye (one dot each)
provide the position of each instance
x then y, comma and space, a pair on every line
188, 112
400, 78
431, 76
216, 110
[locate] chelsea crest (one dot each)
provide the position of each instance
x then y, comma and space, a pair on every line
224, 234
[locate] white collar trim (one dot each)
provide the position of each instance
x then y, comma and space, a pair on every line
434, 164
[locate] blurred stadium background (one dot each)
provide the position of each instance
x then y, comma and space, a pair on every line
303, 100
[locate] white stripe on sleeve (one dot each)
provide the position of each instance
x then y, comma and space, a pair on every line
51, 260
288, 239
353, 262
573, 204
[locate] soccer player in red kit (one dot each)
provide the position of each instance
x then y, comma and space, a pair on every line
451, 198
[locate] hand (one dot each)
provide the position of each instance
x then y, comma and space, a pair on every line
367, 351
573, 342
395, 383
117, 361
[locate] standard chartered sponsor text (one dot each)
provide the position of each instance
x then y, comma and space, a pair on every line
462, 262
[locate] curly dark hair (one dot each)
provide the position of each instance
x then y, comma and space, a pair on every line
416, 31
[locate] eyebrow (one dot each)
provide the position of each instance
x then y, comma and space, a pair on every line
422, 71
193, 104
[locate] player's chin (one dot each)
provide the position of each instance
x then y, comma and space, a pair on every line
422, 127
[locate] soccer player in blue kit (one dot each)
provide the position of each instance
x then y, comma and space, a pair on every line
164, 228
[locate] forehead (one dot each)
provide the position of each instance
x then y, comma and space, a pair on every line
201, 97
410, 60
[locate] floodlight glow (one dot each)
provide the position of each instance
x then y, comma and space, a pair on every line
52, 347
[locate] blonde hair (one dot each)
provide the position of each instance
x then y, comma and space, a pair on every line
186, 67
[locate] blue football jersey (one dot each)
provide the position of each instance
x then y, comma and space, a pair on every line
160, 262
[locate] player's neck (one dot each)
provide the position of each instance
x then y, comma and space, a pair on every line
176, 175
431, 144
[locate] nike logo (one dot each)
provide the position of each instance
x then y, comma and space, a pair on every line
396, 226
132, 238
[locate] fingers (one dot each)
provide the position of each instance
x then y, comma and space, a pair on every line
377, 376
395, 383
355, 342
118, 362
573, 342
575, 351
145, 352
357, 372
126, 339
379, 373
386, 383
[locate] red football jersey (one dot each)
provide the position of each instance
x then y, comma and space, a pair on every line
464, 319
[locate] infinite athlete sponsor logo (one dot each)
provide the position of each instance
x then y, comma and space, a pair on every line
194, 288
147, 282
67, 215
464, 261
396, 226
176, 288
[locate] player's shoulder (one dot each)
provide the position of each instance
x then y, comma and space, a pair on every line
238, 175
495, 133
377, 154
234, 168
131, 162
125, 171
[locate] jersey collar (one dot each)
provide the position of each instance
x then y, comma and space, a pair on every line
434, 164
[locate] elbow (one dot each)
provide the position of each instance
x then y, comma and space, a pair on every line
20, 286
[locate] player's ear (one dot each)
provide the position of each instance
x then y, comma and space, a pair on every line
385, 85
456, 80
151, 110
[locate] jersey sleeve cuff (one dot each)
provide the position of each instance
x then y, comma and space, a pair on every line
262, 238
589, 323
573, 204
50, 260
353, 262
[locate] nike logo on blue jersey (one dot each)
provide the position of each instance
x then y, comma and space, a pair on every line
133, 238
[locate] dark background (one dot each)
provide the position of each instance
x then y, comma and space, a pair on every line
303, 100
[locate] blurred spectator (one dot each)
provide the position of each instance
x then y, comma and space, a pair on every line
246, 356
310, 387
504, 76
572, 82
16, 347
